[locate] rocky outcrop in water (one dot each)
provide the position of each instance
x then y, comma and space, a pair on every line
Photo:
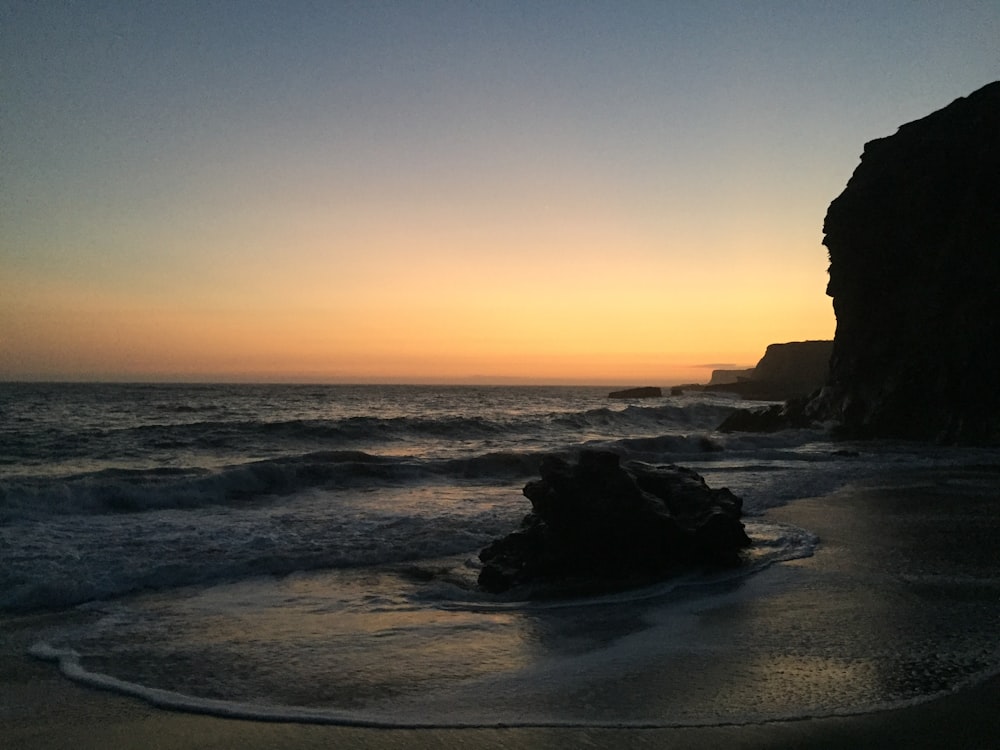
796, 413
598, 522
649, 391
914, 243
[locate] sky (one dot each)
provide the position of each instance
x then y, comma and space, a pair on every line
617, 192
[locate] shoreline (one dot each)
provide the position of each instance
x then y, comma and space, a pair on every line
39, 708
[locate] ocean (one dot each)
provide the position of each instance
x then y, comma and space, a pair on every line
308, 553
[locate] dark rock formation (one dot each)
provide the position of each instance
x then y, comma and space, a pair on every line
611, 524
644, 392
800, 366
786, 371
727, 377
794, 413
914, 243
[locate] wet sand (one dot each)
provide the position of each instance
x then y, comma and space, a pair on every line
41, 709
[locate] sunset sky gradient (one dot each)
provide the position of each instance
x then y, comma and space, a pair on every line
593, 192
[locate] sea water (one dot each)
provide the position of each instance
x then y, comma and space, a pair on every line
309, 553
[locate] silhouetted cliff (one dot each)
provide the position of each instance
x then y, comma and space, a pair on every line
728, 377
914, 243
800, 367
786, 371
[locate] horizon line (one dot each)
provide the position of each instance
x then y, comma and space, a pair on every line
484, 380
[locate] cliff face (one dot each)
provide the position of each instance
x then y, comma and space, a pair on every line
914, 243
799, 367
786, 371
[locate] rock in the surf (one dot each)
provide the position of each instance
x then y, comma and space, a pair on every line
599, 520
649, 391
796, 413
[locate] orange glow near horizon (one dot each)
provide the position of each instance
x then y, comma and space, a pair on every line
546, 270
586, 318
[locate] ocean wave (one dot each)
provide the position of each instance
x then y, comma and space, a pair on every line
58, 564
378, 428
463, 428
499, 466
237, 436
654, 448
184, 427
124, 490
187, 408
131, 490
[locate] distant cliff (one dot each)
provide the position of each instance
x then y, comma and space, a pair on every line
914, 244
791, 370
799, 367
726, 377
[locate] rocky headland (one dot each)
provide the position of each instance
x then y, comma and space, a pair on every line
786, 371
914, 243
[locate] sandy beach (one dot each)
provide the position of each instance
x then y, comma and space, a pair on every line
41, 709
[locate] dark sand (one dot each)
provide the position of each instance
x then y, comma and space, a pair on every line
41, 709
